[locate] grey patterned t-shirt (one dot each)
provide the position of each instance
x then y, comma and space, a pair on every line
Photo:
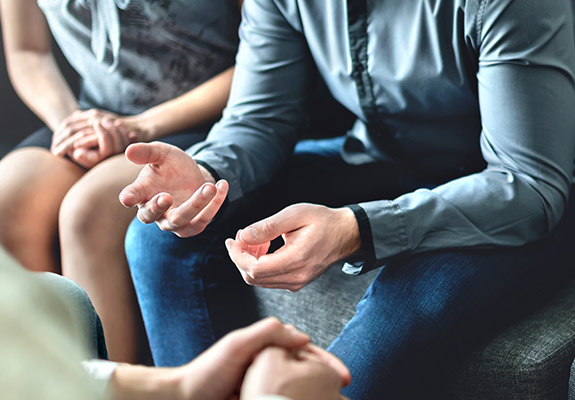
134, 54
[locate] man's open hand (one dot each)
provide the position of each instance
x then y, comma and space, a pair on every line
172, 190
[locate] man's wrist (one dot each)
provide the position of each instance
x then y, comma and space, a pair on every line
208, 173
352, 244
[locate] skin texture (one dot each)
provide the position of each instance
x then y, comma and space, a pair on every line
73, 204
299, 374
310, 248
218, 373
178, 195
172, 190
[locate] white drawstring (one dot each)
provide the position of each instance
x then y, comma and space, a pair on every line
106, 28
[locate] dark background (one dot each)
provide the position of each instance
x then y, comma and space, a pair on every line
16, 120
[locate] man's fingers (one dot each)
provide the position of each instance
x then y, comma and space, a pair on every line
132, 195
272, 227
243, 260
191, 217
193, 206
253, 274
137, 192
209, 212
147, 153
257, 250
155, 208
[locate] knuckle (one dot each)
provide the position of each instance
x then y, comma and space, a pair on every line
202, 221
269, 225
255, 274
249, 280
179, 220
165, 225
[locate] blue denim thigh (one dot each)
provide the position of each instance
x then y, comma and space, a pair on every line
425, 313
189, 291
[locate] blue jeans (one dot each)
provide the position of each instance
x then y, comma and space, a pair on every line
420, 317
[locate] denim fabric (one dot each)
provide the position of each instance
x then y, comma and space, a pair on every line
423, 315
189, 292
417, 321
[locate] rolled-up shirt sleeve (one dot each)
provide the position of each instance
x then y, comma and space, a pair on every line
526, 90
266, 110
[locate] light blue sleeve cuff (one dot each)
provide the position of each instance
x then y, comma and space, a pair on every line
101, 372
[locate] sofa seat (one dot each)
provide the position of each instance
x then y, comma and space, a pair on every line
529, 360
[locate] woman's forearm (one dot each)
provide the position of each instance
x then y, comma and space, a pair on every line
199, 105
31, 65
40, 84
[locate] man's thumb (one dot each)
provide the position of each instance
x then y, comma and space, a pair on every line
262, 231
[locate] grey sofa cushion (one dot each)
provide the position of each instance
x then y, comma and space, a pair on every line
529, 361
321, 308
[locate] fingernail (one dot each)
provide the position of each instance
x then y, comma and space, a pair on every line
162, 202
208, 191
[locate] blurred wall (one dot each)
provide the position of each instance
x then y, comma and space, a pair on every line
16, 120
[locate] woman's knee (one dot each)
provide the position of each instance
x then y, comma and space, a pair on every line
34, 183
91, 209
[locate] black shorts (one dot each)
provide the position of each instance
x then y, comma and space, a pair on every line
43, 138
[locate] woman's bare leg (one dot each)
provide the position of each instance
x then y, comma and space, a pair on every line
93, 224
33, 183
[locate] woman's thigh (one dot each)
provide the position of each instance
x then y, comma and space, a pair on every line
34, 183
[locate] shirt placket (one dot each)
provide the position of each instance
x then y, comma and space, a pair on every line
357, 15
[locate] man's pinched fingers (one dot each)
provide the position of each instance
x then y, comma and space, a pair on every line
286, 220
153, 210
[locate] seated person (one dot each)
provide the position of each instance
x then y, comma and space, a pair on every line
150, 70
42, 343
456, 181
